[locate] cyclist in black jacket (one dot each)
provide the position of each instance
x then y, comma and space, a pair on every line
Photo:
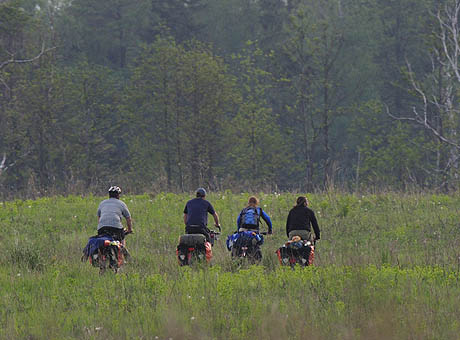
300, 220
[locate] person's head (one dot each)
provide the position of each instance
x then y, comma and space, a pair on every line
253, 201
301, 201
114, 192
200, 193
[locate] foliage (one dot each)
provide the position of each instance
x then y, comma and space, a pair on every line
158, 95
184, 92
255, 125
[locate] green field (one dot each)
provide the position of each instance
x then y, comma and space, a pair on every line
387, 267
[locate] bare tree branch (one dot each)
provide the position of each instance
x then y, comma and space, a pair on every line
450, 33
411, 177
419, 91
449, 36
5, 84
424, 122
12, 60
4, 166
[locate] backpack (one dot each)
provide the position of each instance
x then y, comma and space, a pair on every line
250, 216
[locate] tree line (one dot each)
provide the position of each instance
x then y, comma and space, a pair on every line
242, 94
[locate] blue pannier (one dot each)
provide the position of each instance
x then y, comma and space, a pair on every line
94, 243
244, 238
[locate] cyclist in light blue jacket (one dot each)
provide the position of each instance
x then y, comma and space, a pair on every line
249, 217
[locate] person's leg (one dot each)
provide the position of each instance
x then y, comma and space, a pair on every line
205, 232
103, 231
193, 229
116, 233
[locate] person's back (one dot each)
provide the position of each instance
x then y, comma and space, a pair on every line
196, 214
197, 210
301, 218
110, 214
249, 217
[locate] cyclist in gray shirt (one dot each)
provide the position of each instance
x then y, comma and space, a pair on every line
110, 214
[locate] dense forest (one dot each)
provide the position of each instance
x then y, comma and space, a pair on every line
168, 95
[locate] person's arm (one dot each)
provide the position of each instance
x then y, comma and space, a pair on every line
214, 214
125, 212
267, 220
238, 222
287, 224
216, 219
185, 215
314, 223
129, 223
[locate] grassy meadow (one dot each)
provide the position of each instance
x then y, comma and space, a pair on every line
387, 267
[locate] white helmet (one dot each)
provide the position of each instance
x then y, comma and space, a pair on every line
115, 189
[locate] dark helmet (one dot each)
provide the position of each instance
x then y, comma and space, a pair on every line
200, 192
114, 189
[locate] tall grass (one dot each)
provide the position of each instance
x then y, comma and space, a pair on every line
387, 266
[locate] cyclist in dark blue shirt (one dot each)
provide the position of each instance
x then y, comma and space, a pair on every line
196, 215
